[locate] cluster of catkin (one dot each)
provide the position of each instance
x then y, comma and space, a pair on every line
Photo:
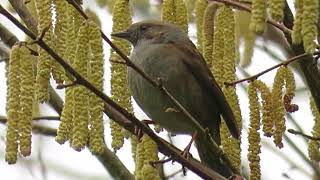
275, 103
305, 23
82, 115
217, 29
79, 42
216, 41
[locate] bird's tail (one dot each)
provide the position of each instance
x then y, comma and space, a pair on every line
209, 157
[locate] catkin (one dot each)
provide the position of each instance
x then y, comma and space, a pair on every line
313, 146
258, 16
65, 126
44, 59
309, 28
276, 9
119, 91
96, 141
297, 26
13, 105
208, 31
230, 145
199, 13
80, 133
283, 77
26, 100
254, 148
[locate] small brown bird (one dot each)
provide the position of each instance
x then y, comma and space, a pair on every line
164, 51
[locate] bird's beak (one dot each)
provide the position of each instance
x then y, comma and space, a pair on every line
122, 34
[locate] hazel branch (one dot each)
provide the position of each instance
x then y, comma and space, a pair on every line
244, 7
284, 63
114, 111
295, 132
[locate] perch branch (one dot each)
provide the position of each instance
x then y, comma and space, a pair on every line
295, 132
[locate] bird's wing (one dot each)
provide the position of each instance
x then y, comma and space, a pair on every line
198, 67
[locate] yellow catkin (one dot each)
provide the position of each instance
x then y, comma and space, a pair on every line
218, 49
81, 94
254, 148
119, 89
96, 140
63, 133
208, 31
258, 16
44, 59
230, 145
242, 20
175, 12
297, 26
181, 15
199, 13
26, 100
13, 105
283, 77
167, 12
147, 152
276, 9
309, 29
61, 36
313, 146
267, 120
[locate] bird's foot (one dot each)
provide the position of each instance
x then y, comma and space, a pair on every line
186, 152
138, 132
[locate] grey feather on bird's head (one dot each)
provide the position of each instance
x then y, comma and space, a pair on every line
152, 31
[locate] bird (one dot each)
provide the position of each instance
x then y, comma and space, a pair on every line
163, 51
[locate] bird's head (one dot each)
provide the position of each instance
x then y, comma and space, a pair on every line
152, 31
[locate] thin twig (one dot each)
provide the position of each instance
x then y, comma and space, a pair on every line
295, 132
284, 63
115, 111
244, 7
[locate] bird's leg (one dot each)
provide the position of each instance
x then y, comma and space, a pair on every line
185, 153
186, 150
138, 132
